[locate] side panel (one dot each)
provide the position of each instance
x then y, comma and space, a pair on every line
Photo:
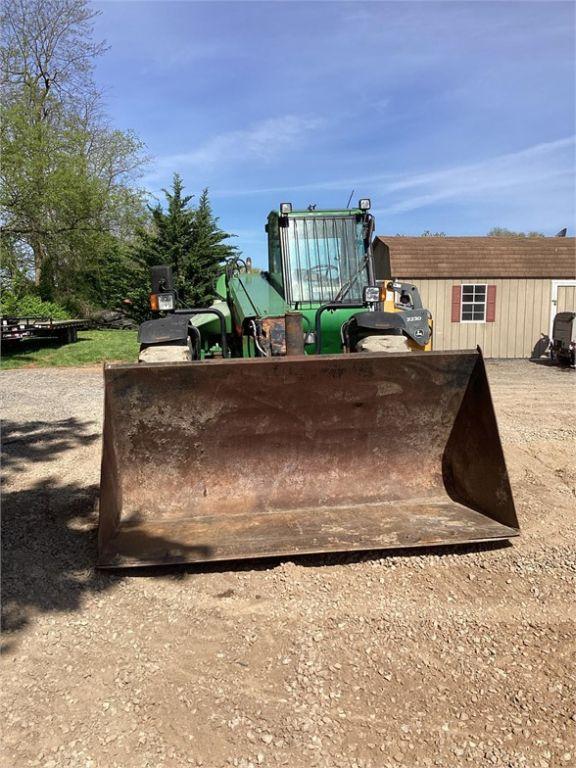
521, 315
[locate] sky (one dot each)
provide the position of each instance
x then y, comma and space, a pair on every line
451, 116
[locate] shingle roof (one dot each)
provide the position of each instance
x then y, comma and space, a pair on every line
553, 257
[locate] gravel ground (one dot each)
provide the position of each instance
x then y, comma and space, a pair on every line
439, 658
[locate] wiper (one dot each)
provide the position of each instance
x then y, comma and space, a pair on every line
347, 286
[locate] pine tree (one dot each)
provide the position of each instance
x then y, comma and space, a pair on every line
207, 254
190, 241
168, 240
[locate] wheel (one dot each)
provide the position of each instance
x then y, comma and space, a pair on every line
165, 353
383, 343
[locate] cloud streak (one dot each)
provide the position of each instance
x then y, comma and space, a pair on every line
537, 164
260, 143
540, 163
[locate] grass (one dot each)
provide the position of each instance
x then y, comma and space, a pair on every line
92, 348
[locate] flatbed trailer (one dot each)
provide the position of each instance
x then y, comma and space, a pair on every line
19, 329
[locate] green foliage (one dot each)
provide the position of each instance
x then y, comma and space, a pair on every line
189, 240
429, 233
503, 232
70, 206
67, 178
29, 305
209, 250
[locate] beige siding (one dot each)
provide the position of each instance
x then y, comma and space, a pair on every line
566, 298
522, 315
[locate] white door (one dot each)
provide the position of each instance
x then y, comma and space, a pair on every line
566, 298
563, 298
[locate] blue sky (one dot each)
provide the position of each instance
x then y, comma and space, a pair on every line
451, 116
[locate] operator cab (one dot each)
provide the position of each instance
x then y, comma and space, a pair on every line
316, 257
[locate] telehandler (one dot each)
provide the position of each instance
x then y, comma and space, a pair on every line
302, 412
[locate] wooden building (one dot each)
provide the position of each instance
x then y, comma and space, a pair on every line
497, 292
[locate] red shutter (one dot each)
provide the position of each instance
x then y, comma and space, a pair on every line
456, 293
491, 304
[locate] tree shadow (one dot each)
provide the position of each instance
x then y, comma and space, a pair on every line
48, 527
42, 441
49, 532
24, 352
48, 551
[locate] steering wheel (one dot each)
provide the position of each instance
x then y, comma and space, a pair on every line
326, 268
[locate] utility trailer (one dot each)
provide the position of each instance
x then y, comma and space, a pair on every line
19, 329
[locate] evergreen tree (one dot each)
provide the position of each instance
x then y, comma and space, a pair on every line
189, 240
168, 239
208, 252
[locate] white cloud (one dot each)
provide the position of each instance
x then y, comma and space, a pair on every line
537, 165
259, 143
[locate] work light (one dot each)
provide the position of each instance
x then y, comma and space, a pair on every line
285, 208
364, 204
165, 302
371, 294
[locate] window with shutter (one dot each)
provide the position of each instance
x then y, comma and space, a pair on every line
473, 303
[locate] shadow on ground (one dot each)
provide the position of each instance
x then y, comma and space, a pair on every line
49, 531
547, 363
41, 441
324, 560
48, 526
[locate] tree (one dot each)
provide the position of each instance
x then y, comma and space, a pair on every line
429, 233
503, 232
169, 238
189, 240
208, 252
66, 176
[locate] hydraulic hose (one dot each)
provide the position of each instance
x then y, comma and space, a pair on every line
318, 319
210, 311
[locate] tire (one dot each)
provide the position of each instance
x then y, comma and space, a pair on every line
165, 353
383, 343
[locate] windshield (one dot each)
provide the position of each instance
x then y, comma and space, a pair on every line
322, 254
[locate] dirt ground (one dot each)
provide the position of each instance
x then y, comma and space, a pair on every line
435, 658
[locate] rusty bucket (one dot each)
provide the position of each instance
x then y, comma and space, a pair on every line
228, 459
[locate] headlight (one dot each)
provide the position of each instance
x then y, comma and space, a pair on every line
371, 294
364, 204
285, 208
165, 302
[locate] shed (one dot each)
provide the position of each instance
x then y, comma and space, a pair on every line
497, 292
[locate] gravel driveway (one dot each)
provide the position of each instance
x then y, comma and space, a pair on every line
439, 658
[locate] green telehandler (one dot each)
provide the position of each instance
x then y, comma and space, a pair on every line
302, 412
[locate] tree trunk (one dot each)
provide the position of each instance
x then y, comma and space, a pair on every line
43, 270
39, 250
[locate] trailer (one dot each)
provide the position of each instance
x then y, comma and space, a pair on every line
21, 329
